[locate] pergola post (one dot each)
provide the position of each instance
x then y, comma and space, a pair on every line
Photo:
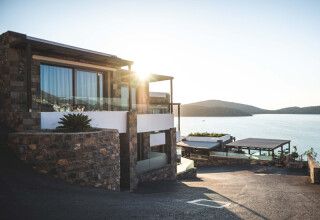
130, 95
282, 149
289, 147
260, 151
249, 150
171, 95
272, 153
178, 117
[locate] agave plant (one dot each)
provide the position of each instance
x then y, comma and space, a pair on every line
74, 122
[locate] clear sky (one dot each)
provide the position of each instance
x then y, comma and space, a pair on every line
263, 53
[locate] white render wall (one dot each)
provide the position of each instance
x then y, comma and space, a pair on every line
158, 94
154, 122
105, 119
113, 120
157, 139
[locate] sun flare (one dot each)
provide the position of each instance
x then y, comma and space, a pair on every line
143, 75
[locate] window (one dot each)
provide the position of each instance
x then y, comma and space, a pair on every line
56, 88
67, 89
89, 90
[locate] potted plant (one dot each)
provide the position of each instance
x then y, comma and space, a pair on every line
294, 155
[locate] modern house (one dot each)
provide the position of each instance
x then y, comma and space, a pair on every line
41, 81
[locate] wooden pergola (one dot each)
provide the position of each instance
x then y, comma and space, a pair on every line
258, 144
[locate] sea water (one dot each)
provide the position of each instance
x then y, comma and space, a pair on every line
302, 130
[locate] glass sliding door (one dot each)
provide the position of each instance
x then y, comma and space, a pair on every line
89, 90
56, 88
125, 98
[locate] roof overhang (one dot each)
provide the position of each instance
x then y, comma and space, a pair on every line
258, 143
45, 46
157, 78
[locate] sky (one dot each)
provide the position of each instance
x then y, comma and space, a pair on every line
262, 53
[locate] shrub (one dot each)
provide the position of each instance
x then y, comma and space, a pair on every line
206, 134
294, 155
74, 123
311, 153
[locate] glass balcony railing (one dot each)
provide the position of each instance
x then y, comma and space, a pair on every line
155, 160
82, 104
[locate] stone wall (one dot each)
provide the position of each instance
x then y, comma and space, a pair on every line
188, 174
85, 158
14, 114
213, 160
314, 170
160, 100
165, 173
146, 144
128, 153
171, 150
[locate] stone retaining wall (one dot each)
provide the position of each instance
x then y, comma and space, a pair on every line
314, 170
188, 174
213, 160
165, 173
85, 158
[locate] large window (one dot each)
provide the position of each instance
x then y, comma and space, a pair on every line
67, 89
56, 88
89, 90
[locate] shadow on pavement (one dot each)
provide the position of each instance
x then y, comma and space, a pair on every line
259, 169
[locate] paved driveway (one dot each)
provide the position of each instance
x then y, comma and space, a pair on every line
225, 192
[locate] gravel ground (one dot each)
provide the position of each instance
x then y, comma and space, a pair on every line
223, 192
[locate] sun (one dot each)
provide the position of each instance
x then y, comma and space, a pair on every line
143, 75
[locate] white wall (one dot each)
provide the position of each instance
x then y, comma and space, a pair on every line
178, 136
158, 94
108, 119
157, 139
154, 122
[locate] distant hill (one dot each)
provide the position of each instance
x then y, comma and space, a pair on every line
221, 108
298, 110
202, 111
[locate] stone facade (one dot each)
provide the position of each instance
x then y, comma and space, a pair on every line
170, 149
85, 158
14, 115
164, 102
14, 112
188, 174
212, 160
128, 153
146, 144
165, 173
314, 170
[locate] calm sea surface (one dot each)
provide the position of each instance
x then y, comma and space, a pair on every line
302, 130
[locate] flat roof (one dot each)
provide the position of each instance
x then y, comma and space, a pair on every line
259, 143
200, 145
54, 47
157, 78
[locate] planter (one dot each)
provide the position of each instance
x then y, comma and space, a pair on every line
208, 139
85, 158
